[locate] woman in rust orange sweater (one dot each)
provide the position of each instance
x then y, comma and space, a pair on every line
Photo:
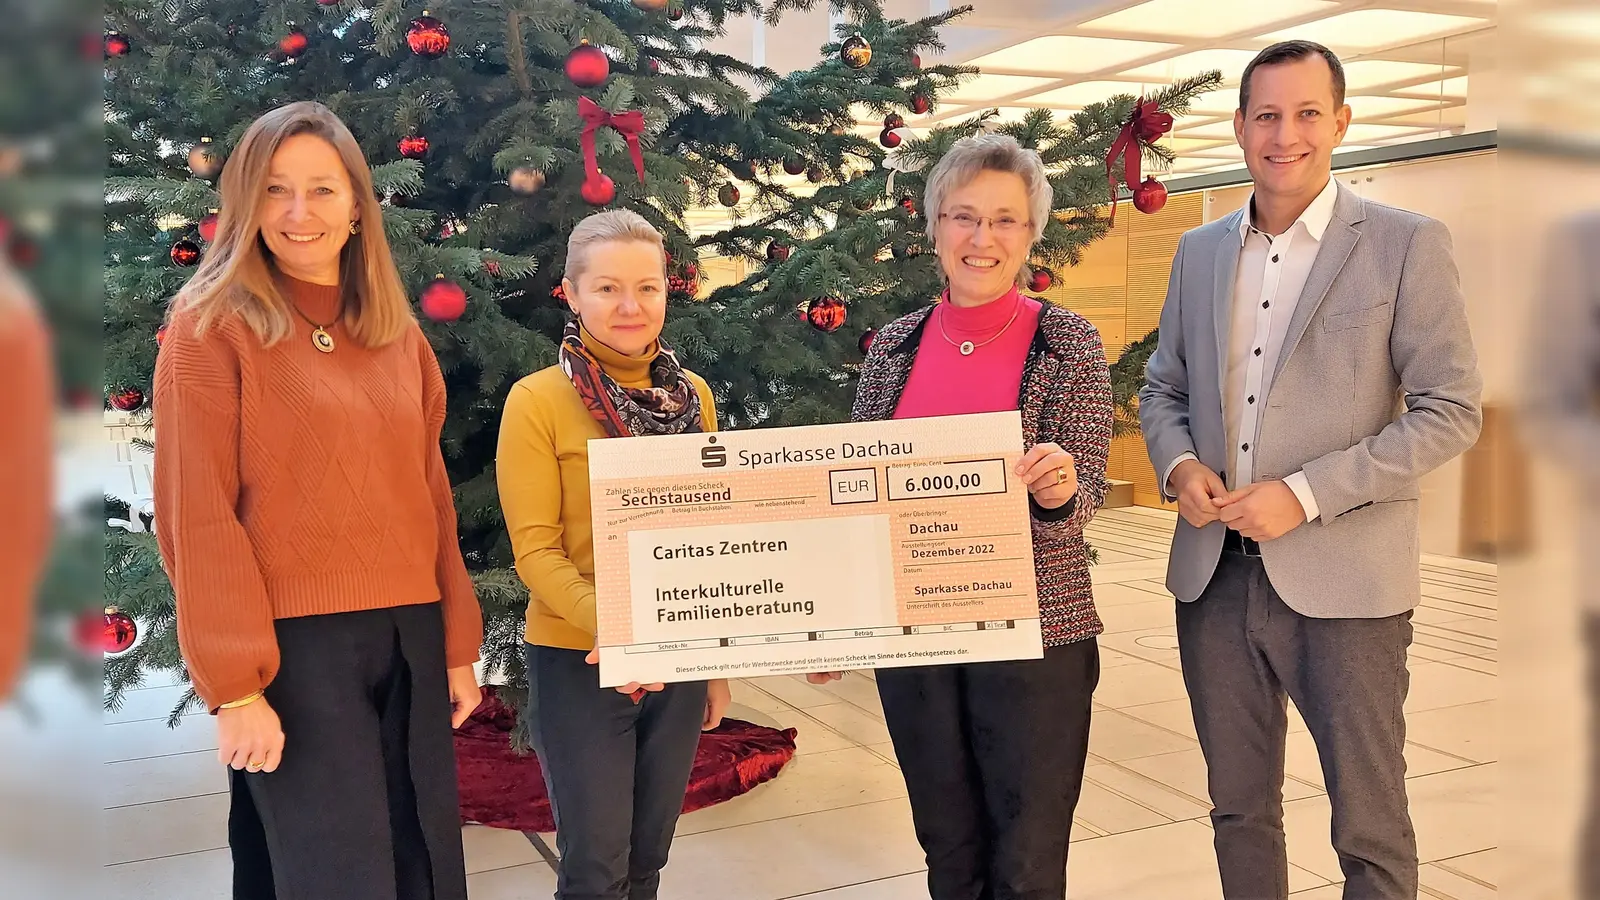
306, 520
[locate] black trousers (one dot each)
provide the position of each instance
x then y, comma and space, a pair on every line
616, 772
993, 756
1243, 652
364, 804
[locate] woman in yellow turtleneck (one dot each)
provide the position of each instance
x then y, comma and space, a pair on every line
616, 769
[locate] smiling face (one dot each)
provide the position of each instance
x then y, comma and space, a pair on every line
620, 294
307, 209
984, 234
1291, 128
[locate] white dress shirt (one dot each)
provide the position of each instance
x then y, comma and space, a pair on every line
1271, 275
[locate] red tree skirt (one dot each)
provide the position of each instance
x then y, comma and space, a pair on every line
504, 790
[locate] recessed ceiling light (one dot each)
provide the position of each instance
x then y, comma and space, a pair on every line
1378, 134
1086, 92
1373, 29
1217, 131
1213, 18
1230, 62
1364, 74
1455, 88
1383, 107
987, 88
1069, 55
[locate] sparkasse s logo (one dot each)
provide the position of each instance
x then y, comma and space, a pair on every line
713, 455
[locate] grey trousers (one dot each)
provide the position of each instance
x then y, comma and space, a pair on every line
1243, 651
616, 772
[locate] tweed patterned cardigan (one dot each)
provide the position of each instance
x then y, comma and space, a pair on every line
1065, 399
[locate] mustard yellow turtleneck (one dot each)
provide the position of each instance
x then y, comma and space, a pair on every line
542, 466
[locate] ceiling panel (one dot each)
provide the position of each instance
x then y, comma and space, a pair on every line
1364, 74
1190, 19
1373, 29
1230, 63
987, 88
1086, 92
1060, 54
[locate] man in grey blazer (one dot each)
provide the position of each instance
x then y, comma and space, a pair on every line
1314, 363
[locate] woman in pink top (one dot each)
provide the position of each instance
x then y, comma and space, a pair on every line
993, 753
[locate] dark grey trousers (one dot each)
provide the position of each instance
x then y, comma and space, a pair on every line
616, 772
993, 756
1243, 650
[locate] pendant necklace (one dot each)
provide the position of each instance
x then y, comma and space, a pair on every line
966, 347
320, 338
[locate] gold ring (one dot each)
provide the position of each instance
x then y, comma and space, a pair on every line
254, 766
1061, 475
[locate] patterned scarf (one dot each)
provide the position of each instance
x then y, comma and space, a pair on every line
670, 405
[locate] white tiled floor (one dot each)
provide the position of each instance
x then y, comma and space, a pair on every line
836, 825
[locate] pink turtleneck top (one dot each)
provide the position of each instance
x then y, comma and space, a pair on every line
945, 383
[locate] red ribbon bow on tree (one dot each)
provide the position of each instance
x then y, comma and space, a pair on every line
629, 124
1148, 124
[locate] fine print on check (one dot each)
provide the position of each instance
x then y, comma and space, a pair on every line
819, 548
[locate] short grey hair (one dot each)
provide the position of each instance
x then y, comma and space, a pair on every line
989, 153
604, 228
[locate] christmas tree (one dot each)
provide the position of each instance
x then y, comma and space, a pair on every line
478, 118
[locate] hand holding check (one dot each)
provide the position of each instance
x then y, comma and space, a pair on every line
1050, 473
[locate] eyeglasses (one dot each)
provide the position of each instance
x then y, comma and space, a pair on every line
968, 223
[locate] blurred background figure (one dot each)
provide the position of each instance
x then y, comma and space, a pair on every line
1549, 287
1561, 417
25, 467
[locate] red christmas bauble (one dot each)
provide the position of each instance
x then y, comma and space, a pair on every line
185, 253
208, 226
127, 400
599, 192
1041, 280
728, 195
916, 60
1150, 196
815, 174
586, 66
105, 632
920, 104
794, 165
24, 252
443, 300
865, 343
294, 43
893, 120
674, 12
413, 146
428, 37
826, 314
328, 2
119, 631
889, 138
116, 44
777, 252
909, 204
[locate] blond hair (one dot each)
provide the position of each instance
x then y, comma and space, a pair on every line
603, 228
236, 277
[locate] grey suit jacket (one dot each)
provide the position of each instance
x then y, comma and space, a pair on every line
1377, 385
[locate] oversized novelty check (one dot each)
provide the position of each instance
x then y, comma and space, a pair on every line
821, 548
